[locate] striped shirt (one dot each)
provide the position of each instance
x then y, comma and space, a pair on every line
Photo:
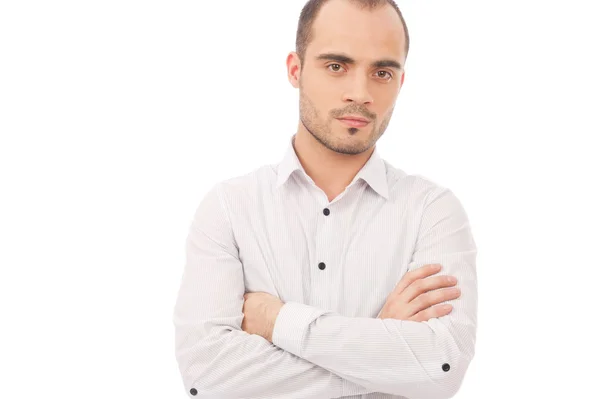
333, 264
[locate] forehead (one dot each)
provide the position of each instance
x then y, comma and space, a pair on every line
341, 26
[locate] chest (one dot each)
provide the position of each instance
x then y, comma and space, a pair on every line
345, 256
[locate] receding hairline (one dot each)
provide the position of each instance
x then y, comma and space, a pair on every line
310, 12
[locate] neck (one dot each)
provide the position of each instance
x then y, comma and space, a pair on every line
330, 170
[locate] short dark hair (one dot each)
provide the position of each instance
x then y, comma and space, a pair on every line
311, 9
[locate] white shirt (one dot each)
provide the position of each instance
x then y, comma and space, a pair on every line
333, 263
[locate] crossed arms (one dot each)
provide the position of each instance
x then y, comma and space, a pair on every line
317, 353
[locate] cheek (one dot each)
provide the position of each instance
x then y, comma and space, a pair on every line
385, 101
322, 101
325, 93
320, 85
386, 94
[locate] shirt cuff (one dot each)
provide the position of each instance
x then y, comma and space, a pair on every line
291, 325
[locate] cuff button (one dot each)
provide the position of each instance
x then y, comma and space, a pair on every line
193, 391
445, 367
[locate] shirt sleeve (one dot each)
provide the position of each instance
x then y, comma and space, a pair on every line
216, 358
419, 360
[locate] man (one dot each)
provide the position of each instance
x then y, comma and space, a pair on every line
311, 278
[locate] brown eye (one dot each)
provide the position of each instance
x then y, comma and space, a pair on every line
336, 67
384, 74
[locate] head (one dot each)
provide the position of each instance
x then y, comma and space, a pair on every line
349, 61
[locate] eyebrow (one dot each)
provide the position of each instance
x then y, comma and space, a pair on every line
351, 61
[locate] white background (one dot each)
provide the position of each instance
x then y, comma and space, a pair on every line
117, 116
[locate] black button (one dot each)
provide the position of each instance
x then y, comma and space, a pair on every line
321, 265
193, 391
326, 212
445, 367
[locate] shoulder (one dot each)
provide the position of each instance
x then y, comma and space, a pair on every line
414, 186
248, 185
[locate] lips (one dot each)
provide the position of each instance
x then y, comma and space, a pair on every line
355, 117
354, 122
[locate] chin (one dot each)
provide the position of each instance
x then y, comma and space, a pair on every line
353, 131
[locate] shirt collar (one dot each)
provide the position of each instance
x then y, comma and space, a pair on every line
373, 172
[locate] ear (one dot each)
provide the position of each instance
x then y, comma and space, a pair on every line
402, 78
293, 68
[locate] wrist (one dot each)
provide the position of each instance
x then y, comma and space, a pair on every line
273, 313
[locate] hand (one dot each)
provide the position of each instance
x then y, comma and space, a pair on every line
411, 299
260, 312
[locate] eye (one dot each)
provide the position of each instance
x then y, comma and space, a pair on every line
383, 74
336, 67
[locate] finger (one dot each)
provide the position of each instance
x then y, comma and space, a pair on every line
432, 298
425, 285
432, 312
414, 275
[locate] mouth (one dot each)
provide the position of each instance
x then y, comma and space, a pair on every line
354, 121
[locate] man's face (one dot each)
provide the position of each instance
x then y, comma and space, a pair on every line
332, 88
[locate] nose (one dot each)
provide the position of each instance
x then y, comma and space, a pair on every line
358, 91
